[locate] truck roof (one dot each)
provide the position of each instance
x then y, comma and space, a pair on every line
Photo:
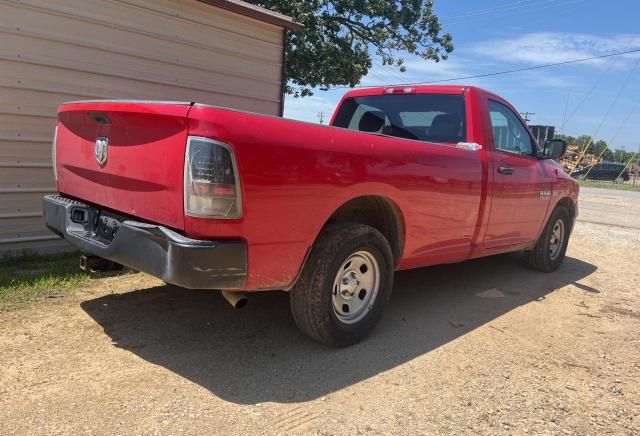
412, 89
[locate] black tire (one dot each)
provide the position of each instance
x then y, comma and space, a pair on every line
312, 298
541, 257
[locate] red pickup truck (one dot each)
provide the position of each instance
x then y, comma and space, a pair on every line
206, 197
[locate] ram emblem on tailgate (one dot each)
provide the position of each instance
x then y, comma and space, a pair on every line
102, 145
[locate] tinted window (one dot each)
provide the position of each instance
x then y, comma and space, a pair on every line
425, 117
509, 133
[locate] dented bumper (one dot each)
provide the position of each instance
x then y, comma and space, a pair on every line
153, 249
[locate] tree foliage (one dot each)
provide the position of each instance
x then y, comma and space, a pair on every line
335, 48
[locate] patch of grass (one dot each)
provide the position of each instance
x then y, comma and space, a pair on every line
609, 185
26, 280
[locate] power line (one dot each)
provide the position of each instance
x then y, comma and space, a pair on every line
505, 10
606, 115
377, 76
498, 9
618, 95
593, 88
516, 70
534, 16
388, 69
566, 108
608, 145
472, 13
624, 123
487, 10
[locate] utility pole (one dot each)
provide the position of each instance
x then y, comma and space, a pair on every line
525, 116
566, 107
321, 117
637, 169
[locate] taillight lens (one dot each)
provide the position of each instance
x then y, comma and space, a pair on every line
53, 153
212, 187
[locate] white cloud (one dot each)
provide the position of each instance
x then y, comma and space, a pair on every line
493, 55
547, 79
418, 70
501, 53
551, 47
421, 71
424, 71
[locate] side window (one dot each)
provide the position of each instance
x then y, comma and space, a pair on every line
509, 133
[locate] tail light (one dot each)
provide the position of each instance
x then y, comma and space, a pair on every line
211, 184
53, 153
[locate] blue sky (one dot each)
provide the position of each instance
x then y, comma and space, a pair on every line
496, 35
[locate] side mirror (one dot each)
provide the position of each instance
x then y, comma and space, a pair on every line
554, 149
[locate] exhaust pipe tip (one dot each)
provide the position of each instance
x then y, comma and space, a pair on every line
237, 300
241, 303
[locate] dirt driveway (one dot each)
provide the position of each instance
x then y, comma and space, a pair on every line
485, 346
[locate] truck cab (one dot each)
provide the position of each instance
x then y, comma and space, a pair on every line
519, 179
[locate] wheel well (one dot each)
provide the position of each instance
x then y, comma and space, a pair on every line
377, 212
568, 204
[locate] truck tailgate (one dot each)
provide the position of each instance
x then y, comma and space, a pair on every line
124, 156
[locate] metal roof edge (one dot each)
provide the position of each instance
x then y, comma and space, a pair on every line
257, 12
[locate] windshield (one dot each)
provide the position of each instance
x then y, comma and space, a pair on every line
425, 117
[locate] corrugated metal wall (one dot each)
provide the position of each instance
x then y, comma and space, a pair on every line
56, 51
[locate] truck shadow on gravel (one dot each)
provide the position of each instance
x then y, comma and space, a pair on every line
257, 354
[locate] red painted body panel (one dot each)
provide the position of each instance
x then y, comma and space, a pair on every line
295, 175
516, 208
143, 175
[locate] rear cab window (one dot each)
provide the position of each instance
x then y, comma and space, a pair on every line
439, 118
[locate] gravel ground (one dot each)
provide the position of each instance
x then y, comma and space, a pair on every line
486, 346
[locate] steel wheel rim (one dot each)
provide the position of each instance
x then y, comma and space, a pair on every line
355, 287
556, 240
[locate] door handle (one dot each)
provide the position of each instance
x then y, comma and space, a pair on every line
507, 171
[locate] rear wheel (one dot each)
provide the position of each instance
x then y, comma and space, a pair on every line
549, 251
345, 285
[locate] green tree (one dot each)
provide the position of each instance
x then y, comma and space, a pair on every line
583, 141
570, 140
621, 155
598, 147
607, 156
334, 48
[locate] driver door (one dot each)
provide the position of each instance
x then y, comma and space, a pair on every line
520, 186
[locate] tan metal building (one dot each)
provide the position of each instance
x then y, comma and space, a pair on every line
222, 52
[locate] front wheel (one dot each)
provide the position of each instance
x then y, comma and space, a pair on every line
549, 251
345, 285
